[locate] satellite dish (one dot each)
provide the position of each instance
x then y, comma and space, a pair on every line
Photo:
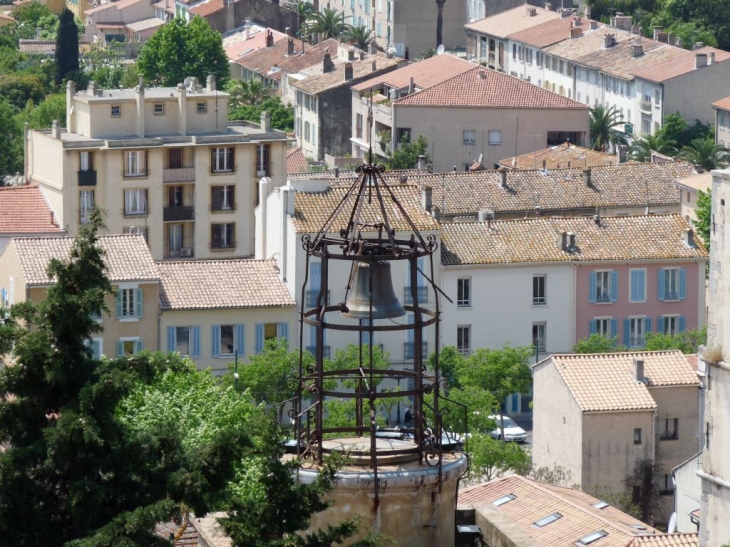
672, 527
480, 157
440, 49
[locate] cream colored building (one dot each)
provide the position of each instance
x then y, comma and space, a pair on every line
162, 162
212, 311
689, 188
722, 121
600, 415
130, 325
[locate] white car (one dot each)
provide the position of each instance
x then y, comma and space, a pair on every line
512, 432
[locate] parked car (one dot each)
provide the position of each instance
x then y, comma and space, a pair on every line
512, 432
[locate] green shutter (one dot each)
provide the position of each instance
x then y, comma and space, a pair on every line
138, 302
119, 303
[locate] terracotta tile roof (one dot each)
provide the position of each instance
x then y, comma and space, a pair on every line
145, 24
167, 5
667, 540
557, 157
236, 45
678, 66
312, 209
264, 59
494, 90
111, 25
119, 6
336, 78
45, 47
512, 20
723, 104
6, 17
693, 361
605, 382
127, 257
347, 177
24, 210
188, 538
312, 56
550, 32
426, 73
212, 284
295, 161
534, 501
703, 181
649, 237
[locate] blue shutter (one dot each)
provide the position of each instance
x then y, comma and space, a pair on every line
259, 337
194, 342
138, 302
642, 285
410, 333
660, 287
240, 339
627, 332
637, 285
592, 289
660, 324
119, 303
421, 267
682, 283
592, 326
614, 286
282, 331
215, 340
647, 325
171, 339
138, 346
681, 324
120, 348
614, 327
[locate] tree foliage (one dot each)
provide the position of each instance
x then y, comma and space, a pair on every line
703, 212
304, 10
327, 23
603, 127
21, 88
491, 459
688, 342
11, 141
67, 46
181, 49
642, 148
282, 116
676, 129
705, 153
405, 156
360, 37
499, 371
597, 343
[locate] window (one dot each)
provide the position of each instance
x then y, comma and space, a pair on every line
463, 292
96, 345
175, 239
635, 329
547, 520
514, 51
358, 126
159, 109
404, 133
184, 340
306, 131
136, 230
222, 236
175, 196
538, 336
672, 284
637, 292
263, 166
128, 346
135, 202
538, 289
116, 111
226, 340
270, 331
463, 339
470, 136
495, 137
670, 431
222, 198
504, 499
603, 287
201, 108
86, 161
666, 487
129, 303
221, 159
657, 98
671, 324
590, 538
637, 435
86, 205
135, 163
602, 326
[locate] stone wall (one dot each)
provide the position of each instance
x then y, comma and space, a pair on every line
262, 12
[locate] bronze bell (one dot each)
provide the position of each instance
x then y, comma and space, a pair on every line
385, 303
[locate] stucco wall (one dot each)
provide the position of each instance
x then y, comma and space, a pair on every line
693, 93
687, 494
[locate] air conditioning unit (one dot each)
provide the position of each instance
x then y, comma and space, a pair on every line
186, 252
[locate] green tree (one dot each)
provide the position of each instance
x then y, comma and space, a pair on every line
42, 116
703, 211
405, 156
597, 343
18, 89
642, 148
32, 16
181, 49
67, 46
304, 10
282, 116
328, 23
603, 127
360, 37
705, 153
675, 128
687, 342
490, 459
449, 362
11, 141
249, 93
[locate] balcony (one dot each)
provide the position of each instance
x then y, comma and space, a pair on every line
178, 213
181, 174
671, 296
421, 294
325, 351
409, 350
87, 178
645, 106
603, 298
312, 298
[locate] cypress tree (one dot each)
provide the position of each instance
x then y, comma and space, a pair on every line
67, 46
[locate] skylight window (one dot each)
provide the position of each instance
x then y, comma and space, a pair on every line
590, 538
547, 520
600, 505
504, 499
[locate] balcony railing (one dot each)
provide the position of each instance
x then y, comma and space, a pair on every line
645, 106
312, 298
325, 351
671, 296
180, 174
178, 213
603, 298
87, 178
637, 342
409, 350
421, 293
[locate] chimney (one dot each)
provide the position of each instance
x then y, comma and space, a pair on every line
563, 241
247, 28
287, 31
421, 162
182, 119
531, 12
337, 172
502, 177
265, 122
427, 198
327, 64
56, 130
597, 219
571, 241
230, 15
373, 66
700, 60
576, 32
348, 71
635, 29
594, 25
689, 237
637, 50
351, 54
657, 31
698, 45
210, 82
710, 58
290, 46
587, 176
671, 39
269, 38
565, 13
609, 40
544, 165
621, 152
639, 370
91, 88
679, 41
411, 86
403, 178
482, 74
548, 6
436, 212
139, 95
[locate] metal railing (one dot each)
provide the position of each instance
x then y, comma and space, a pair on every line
178, 213
179, 174
87, 178
645, 106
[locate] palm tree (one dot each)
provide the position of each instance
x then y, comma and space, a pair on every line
602, 126
328, 23
360, 37
642, 148
705, 153
243, 93
304, 11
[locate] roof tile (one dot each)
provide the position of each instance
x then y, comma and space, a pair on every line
561, 156
682, 64
512, 20
360, 69
24, 210
295, 161
426, 73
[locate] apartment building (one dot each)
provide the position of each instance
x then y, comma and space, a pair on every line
123, 21
162, 162
722, 121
